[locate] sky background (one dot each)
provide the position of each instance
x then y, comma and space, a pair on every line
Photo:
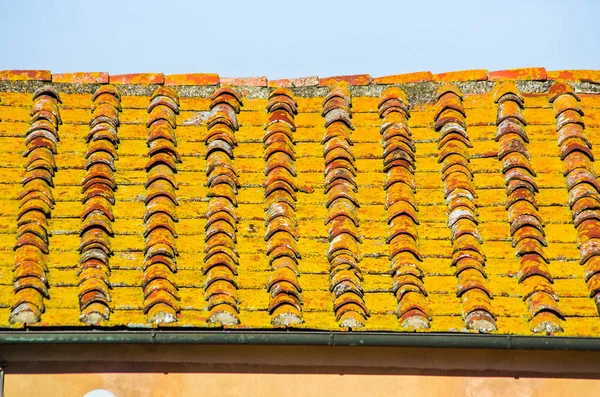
298, 38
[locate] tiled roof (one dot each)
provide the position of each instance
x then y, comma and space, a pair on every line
453, 202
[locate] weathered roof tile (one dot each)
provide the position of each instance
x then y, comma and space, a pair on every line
245, 81
463, 75
24, 75
192, 79
357, 79
386, 207
519, 74
417, 77
81, 77
137, 78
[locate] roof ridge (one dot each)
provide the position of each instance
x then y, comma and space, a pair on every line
530, 73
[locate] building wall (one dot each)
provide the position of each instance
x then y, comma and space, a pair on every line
288, 385
286, 371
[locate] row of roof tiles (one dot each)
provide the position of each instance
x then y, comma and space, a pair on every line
537, 74
221, 260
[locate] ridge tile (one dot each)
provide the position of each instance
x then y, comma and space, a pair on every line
356, 79
25, 75
592, 76
137, 78
295, 82
519, 74
462, 75
192, 79
245, 81
81, 77
417, 77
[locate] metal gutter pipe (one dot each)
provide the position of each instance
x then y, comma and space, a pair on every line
299, 338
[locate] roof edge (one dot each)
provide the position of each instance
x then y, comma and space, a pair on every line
302, 338
211, 79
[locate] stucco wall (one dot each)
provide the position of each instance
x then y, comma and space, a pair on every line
288, 385
286, 371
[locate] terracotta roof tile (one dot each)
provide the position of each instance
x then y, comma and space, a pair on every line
417, 77
81, 77
342, 219
98, 199
519, 74
296, 82
357, 79
583, 189
35, 208
459, 191
137, 78
525, 221
24, 75
337, 207
583, 75
192, 79
221, 257
161, 295
245, 81
285, 292
463, 75
398, 157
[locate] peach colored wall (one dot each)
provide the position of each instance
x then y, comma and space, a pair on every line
288, 385
288, 371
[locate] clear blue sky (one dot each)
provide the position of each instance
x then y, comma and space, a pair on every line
298, 38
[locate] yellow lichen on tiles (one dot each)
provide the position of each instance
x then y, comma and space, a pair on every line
310, 105
62, 298
77, 101
502, 265
582, 326
364, 104
135, 102
131, 318
127, 298
15, 99
589, 101
539, 116
14, 113
6, 293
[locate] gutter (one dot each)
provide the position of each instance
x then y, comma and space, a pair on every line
300, 338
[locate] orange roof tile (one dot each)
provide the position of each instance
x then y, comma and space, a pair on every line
23, 75
519, 74
245, 81
296, 82
584, 75
138, 78
192, 79
463, 75
82, 77
357, 79
417, 77
416, 202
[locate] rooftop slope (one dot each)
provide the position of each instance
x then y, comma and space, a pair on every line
457, 202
